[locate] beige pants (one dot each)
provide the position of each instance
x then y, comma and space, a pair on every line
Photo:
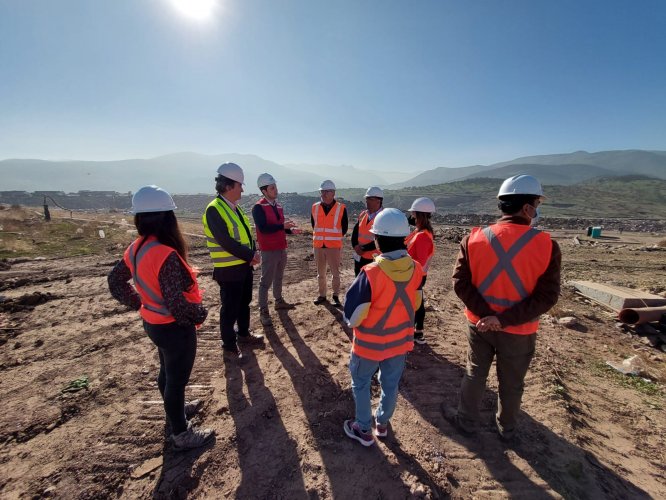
330, 256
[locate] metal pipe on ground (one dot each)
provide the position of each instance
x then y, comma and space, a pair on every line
639, 315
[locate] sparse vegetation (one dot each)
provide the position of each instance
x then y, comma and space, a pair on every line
640, 384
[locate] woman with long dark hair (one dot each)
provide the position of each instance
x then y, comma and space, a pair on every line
421, 247
167, 296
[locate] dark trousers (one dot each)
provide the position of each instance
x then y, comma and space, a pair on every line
177, 348
419, 317
235, 298
359, 264
514, 354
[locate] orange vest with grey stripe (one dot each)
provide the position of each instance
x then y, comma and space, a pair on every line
388, 329
238, 226
145, 265
364, 234
506, 261
328, 226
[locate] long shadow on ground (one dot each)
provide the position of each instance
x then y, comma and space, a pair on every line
352, 470
566, 468
268, 456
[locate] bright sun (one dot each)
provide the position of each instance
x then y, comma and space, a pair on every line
199, 10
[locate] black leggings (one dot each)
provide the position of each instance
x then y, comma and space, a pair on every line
420, 312
177, 348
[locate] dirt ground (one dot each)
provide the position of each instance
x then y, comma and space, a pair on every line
586, 431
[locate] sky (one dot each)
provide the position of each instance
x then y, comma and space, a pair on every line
378, 84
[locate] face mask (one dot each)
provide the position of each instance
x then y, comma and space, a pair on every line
537, 214
411, 220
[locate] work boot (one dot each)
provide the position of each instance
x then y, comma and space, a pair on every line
336, 301
281, 304
450, 414
320, 300
265, 317
418, 337
191, 438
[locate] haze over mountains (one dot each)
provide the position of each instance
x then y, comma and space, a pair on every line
194, 173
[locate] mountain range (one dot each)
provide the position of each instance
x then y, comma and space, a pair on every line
194, 173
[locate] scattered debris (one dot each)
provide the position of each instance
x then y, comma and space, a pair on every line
634, 365
568, 321
617, 297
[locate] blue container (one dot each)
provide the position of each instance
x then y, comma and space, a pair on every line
596, 232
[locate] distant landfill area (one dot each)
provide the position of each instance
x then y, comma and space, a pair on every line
299, 205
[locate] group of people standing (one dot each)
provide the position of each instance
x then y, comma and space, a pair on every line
506, 274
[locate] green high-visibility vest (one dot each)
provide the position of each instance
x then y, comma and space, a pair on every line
234, 220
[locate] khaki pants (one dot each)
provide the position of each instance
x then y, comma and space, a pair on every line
514, 354
330, 256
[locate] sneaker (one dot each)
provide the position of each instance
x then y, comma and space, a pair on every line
381, 430
251, 338
320, 300
283, 304
191, 438
353, 431
450, 414
265, 317
232, 353
418, 337
336, 301
192, 407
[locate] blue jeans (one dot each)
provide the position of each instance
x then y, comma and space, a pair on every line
362, 370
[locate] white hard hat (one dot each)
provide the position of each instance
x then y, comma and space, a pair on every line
265, 180
520, 184
152, 199
390, 222
423, 205
231, 171
374, 192
327, 185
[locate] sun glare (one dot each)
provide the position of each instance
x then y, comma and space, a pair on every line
199, 10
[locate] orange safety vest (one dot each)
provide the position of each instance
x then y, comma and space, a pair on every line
364, 234
388, 329
506, 261
328, 227
411, 238
145, 268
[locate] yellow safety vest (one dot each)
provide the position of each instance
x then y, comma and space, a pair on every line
237, 230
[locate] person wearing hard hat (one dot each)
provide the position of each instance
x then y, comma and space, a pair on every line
233, 251
272, 229
168, 298
421, 247
507, 275
380, 306
329, 225
362, 239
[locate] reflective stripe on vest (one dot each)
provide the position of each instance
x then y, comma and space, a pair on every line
328, 228
232, 218
388, 330
364, 234
514, 275
145, 266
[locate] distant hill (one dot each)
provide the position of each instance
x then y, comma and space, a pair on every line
183, 173
623, 196
177, 173
564, 169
